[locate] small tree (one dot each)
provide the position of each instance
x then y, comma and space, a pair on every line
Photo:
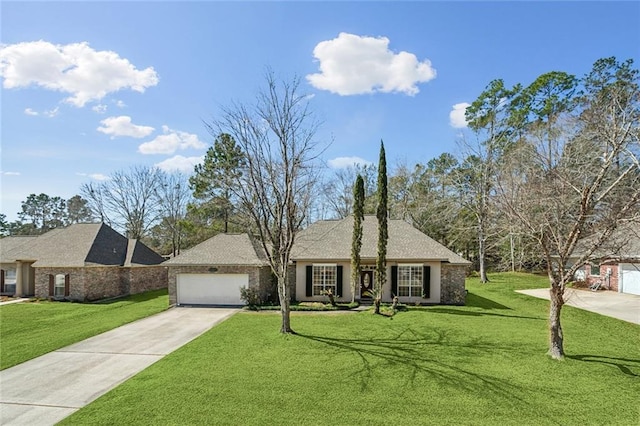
356, 245
383, 233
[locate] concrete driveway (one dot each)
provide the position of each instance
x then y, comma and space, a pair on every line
610, 303
49, 388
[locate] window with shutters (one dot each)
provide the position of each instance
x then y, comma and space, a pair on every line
10, 281
324, 279
58, 288
409, 280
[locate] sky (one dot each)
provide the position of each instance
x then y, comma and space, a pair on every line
90, 88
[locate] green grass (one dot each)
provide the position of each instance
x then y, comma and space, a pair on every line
31, 329
483, 363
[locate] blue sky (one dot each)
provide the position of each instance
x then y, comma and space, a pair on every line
89, 88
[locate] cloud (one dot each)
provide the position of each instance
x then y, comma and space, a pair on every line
179, 163
77, 69
170, 142
120, 104
52, 112
10, 173
456, 116
29, 111
354, 65
122, 126
346, 162
96, 176
100, 108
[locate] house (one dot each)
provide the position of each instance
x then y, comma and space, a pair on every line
82, 262
213, 272
616, 264
419, 269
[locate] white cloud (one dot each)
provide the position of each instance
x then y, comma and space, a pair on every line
77, 69
10, 173
52, 112
120, 104
100, 108
180, 164
29, 111
346, 162
122, 126
354, 65
95, 176
170, 142
456, 116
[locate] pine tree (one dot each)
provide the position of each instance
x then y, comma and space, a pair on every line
358, 217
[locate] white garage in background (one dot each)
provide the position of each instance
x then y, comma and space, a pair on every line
210, 289
630, 278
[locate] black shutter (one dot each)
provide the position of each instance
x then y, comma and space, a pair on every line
66, 285
50, 285
309, 280
394, 281
426, 282
339, 281
1, 280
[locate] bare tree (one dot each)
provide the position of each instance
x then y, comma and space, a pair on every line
579, 175
174, 196
128, 200
337, 191
277, 136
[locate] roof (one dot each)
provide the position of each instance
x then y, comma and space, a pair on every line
81, 244
623, 244
222, 249
331, 240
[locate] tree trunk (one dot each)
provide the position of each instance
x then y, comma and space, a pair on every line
481, 254
284, 305
556, 348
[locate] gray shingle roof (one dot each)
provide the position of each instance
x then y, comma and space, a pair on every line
331, 240
222, 249
78, 245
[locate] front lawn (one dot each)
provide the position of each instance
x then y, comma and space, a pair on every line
483, 363
31, 329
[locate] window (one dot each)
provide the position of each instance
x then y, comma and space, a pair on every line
324, 278
58, 289
10, 281
410, 280
595, 269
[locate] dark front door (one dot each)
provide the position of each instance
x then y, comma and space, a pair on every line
366, 284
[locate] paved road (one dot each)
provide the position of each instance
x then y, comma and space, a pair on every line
610, 303
49, 388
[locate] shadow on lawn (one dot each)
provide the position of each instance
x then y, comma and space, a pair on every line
625, 365
410, 348
476, 301
462, 312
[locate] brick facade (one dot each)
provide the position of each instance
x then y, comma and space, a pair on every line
608, 276
452, 291
101, 282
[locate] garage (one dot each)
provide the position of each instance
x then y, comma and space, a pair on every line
630, 278
210, 289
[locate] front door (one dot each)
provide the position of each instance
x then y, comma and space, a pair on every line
366, 284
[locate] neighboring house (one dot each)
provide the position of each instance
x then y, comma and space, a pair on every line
419, 269
616, 265
82, 262
213, 272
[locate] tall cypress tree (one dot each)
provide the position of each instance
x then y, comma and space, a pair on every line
356, 244
383, 233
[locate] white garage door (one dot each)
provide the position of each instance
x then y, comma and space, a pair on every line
630, 278
210, 289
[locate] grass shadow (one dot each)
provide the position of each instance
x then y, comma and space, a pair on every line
410, 349
625, 365
476, 301
462, 312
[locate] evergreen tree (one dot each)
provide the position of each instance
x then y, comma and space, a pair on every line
383, 233
358, 217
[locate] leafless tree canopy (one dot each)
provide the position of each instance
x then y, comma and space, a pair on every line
277, 136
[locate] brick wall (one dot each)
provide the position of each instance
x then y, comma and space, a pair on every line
452, 291
608, 280
255, 274
146, 278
